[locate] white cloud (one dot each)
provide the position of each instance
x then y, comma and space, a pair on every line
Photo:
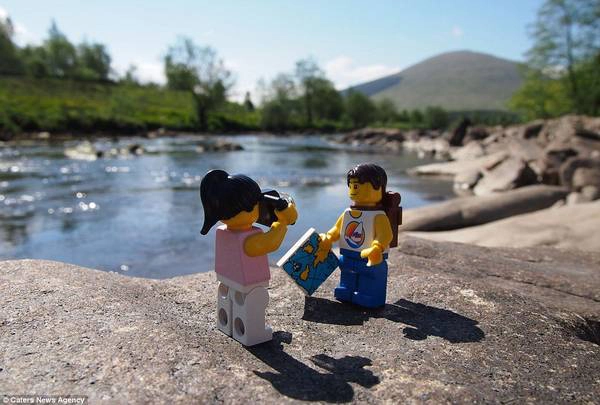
22, 35
344, 72
457, 32
145, 71
151, 72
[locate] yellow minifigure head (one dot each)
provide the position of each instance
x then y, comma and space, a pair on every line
366, 184
243, 220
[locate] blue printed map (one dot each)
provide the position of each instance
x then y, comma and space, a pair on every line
308, 267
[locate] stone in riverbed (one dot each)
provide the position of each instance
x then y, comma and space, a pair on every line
475, 210
511, 173
465, 181
588, 176
453, 168
218, 146
472, 150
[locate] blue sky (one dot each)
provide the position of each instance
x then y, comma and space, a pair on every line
353, 40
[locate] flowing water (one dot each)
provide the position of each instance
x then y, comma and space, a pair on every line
141, 215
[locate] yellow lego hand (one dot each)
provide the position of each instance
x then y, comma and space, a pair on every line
287, 216
325, 243
374, 253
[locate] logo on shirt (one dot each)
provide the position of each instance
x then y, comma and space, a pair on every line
354, 234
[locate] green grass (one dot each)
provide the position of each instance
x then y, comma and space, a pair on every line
56, 105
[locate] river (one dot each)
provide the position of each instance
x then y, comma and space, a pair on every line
141, 216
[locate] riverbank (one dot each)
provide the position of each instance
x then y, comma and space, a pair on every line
61, 107
462, 324
501, 172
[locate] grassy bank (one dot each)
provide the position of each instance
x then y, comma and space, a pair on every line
58, 105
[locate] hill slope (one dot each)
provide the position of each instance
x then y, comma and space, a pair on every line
460, 80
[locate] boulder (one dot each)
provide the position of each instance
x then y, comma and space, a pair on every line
450, 169
567, 227
589, 170
472, 150
475, 134
586, 176
462, 324
465, 181
590, 193
218, 146
475, 210
83, 151
459, 133
525, 149
511, 173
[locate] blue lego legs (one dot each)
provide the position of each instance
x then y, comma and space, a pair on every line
348, 280
372, 285
361, 284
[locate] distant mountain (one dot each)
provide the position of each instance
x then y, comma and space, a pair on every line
456, 81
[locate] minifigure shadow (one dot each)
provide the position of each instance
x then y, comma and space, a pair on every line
421, 320
295, 379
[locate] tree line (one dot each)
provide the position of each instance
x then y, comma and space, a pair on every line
56, 57
562, 72
562, 75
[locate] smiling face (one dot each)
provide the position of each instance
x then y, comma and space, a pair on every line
243, 220
363, 193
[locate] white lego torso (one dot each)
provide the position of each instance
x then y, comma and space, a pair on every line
358, 232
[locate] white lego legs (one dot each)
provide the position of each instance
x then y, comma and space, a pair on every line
224, 309
241, 314
249, 317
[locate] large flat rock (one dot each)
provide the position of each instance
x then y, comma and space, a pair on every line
476, 210
567, 227
462, 324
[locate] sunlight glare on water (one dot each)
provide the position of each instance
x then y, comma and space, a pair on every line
141, 216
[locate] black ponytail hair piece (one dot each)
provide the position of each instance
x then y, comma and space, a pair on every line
224, 196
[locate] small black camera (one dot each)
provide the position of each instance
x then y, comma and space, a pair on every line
271, 201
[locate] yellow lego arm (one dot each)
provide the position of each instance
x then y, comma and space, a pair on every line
331, 236
383, 237
261, 244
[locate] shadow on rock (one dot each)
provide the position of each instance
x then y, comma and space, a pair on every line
422, 320
296, 380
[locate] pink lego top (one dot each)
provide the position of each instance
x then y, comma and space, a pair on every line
233, 263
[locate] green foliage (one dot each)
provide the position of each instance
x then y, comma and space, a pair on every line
248, 104
588, 75
327, 103
197, 69
65, 105
359, 109
56, 57
9, 58
61, 55
282, 108
564, 62
386, 111
130, 78
541, 97
416, 118
93, 62
307, 72
435, 118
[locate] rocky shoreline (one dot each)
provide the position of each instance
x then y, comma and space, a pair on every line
462, 324
501, 172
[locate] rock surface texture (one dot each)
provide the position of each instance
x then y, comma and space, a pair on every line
462, 324
566, 227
